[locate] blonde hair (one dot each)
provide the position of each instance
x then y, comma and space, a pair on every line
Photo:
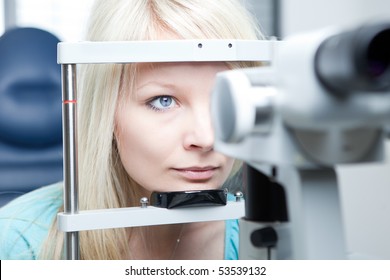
102, 178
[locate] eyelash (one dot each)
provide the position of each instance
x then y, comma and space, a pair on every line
151, 106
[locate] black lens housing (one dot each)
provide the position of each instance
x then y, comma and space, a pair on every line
355, 61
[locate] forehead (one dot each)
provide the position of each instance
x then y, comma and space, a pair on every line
178, 75
161, 70
162, 65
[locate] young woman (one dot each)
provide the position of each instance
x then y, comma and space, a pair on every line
143, 127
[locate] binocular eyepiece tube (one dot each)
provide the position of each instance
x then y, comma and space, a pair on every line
356, 60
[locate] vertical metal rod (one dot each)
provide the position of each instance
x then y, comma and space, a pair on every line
277, 19
9, 14
69, 122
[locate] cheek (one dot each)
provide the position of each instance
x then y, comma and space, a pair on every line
141, 151
136, 146
138, 157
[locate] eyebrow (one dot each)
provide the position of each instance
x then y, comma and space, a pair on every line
155, 83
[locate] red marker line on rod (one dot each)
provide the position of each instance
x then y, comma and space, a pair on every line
69, 101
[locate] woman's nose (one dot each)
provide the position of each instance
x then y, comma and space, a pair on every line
199, 131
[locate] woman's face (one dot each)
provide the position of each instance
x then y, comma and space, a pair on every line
164, 133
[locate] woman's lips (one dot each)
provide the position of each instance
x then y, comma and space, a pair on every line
197, 173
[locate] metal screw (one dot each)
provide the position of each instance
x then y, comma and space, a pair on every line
144, 202
239, 196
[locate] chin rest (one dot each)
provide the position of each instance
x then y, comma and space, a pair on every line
30, 112
197, 198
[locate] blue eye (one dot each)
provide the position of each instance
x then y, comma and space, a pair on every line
162, 103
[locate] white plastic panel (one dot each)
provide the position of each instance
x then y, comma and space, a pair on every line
137, 216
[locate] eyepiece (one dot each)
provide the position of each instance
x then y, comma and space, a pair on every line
378, 55
355, 61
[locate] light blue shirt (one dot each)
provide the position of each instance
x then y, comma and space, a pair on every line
25, 222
